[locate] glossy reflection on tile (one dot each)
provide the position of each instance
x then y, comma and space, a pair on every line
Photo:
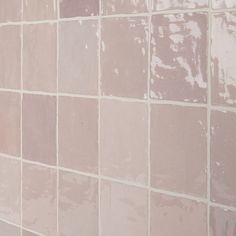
10, 57
10, 123
10, 189
177, 216
223, 161
78, 205
124, 39
78, 57
123, 210
223, 3
223, 59
39, 128
179, 57
40, 57
10, 10
39, 199
78, 134
179, 149
124, 140
9, 230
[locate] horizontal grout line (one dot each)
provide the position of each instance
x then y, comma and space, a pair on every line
222, 206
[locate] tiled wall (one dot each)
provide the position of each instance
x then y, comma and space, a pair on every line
117, 118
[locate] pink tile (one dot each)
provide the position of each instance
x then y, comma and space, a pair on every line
177, 216
9, 230
223, 59
39, 128
179, 57
223, 161
223, 3
40, 57
179, 142
39, 10
10, 123
10, 57
222, 222
78, 57
124, 39
124, 140
72, 8
10, 190
39, 199
27, 233
78, 133
110, 7
78, 199
123, 210
10, 10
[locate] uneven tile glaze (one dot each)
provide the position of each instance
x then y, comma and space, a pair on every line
223, 59
40, 57
9, 230
78, 134
124, 140
10, 187
78, 57
223, 161
78, 201
223, 3
10, 57
10, 123
72, 8
39, 128
177, 216
179, 143
39, 199
179, 57
222, 222
123, 210
10, 10
124, 39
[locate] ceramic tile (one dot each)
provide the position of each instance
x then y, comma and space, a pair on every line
219, 4
10, 10
28, 233
9, 230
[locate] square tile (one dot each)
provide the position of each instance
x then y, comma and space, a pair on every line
10, 10
179, 57
223, 161
39, 199
223, 59
10, 190
78, 199
73, 8
123, 210
28, 233
10, 60
222, 222
179, 142
223, 3
111, 7
124, 140
39, 128
10, 123
78, 133
124, 39
9, 230
177, 216
40, 57
39, 10
78, 57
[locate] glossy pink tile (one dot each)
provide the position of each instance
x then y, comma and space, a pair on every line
179, 142
39, 128
73, 8
223, 59
124, 140
177, 216
78, 57
40, 57
39, 199
10, 123
78, 134
223, 4
9, 230
124, 39
223, 161
123, 210
222, 222
10, 10
78, 199
179, 57
10, 57
10, 189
